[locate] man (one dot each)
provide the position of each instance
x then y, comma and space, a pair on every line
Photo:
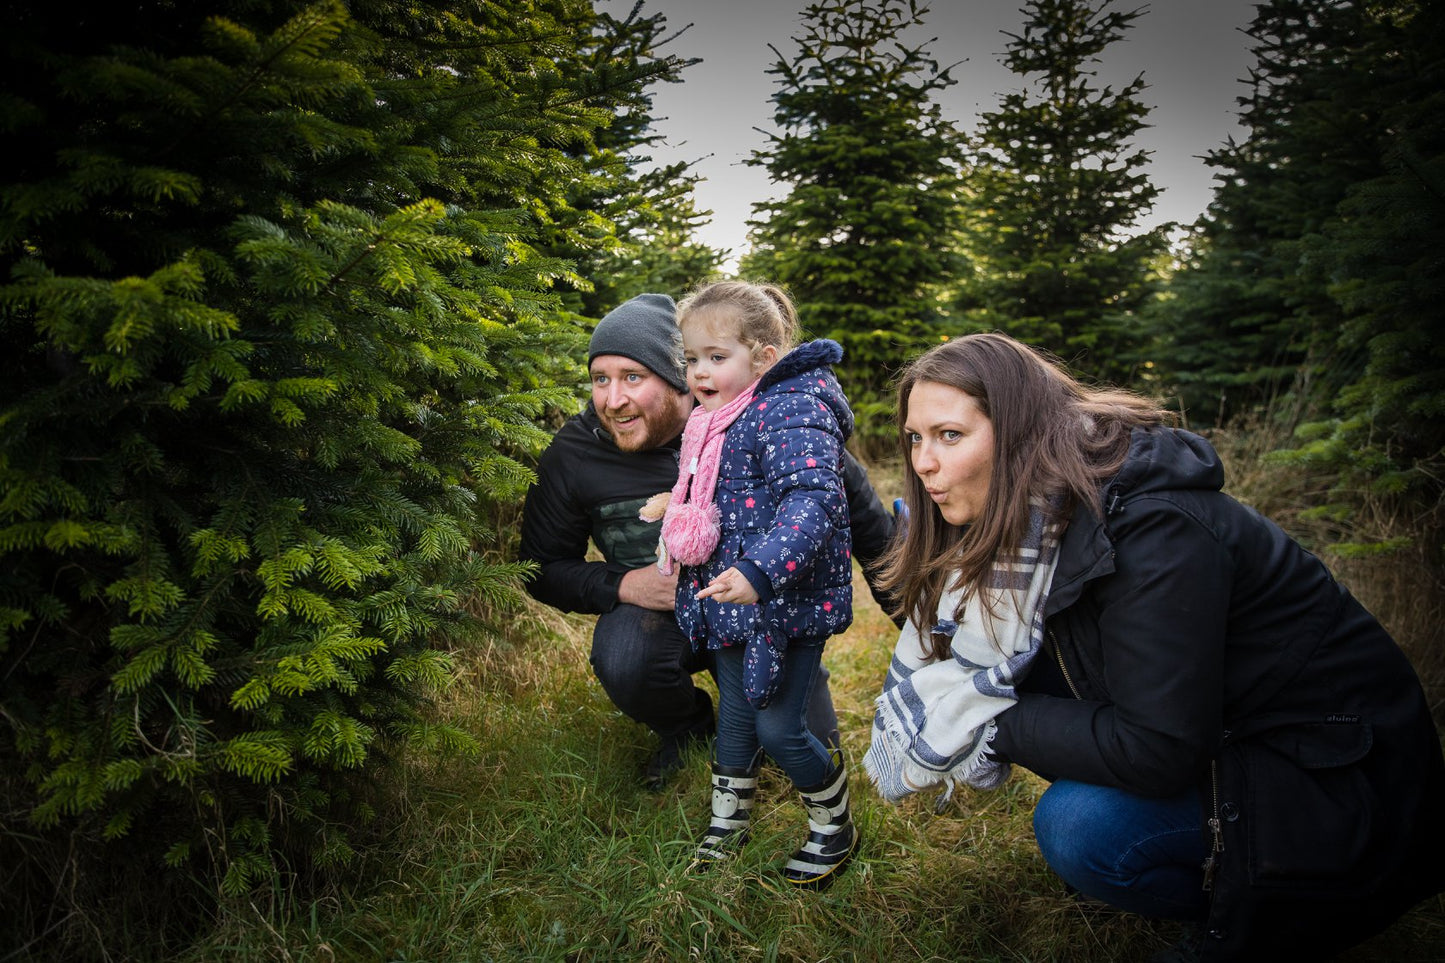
593, 478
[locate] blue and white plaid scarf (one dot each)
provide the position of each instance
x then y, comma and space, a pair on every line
935, 718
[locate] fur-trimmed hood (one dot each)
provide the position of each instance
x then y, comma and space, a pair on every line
802, 365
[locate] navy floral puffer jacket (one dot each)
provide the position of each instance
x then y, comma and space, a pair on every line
784, 521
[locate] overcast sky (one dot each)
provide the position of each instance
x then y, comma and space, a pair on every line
1192, 53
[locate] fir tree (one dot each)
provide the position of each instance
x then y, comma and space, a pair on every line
1380, 258
1248, 325
865, 237
637, 221
274, 341
1311, 295
1059, 192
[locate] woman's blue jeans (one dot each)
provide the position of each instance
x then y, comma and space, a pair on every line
1139, 854
779, 728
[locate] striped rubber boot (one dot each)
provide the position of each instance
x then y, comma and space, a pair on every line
732, 805
832, 837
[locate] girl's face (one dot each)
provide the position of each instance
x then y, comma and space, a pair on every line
950, 443
719, 366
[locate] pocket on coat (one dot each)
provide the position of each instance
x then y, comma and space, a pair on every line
1309, 810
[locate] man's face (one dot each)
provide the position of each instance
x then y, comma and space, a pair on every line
638, 408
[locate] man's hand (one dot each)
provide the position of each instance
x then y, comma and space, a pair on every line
648, 588
730, 586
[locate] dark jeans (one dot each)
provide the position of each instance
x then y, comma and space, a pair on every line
779, 728
646, 664
1138, 854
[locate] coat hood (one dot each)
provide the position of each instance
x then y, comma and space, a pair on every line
809, 363
1163, 459
1159, 460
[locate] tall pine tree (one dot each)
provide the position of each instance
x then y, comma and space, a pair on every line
637, 221
1311, 295
1245, 326
1380, 257
1059, 190
866, 235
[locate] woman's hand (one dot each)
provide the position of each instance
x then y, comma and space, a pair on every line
730, 586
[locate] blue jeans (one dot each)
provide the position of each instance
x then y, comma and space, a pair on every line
779, 728
646, 664
1139, 854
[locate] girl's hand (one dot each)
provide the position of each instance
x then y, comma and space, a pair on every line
730, 586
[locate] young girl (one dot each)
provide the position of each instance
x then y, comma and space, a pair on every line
760, 520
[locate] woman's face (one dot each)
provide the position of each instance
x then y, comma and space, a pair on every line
950, 443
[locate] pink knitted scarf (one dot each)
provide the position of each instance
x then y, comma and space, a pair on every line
692, 524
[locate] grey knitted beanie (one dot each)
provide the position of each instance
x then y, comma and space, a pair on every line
645, 330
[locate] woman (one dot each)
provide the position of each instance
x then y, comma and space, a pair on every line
1230, 737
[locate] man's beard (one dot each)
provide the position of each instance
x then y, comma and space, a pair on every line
642, 433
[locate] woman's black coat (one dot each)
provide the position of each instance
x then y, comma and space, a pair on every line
1204, 647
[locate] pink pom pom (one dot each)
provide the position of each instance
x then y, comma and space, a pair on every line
691, 532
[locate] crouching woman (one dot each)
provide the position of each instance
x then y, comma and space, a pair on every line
1229, 736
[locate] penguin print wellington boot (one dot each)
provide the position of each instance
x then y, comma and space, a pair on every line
832, 837
733, 790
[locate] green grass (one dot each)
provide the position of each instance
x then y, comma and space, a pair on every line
545, 847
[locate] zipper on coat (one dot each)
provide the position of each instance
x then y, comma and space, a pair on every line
1059, 657
1211, 862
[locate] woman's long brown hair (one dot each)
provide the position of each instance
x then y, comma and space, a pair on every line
1054, 438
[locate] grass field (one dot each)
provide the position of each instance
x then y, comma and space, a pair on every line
545, 847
